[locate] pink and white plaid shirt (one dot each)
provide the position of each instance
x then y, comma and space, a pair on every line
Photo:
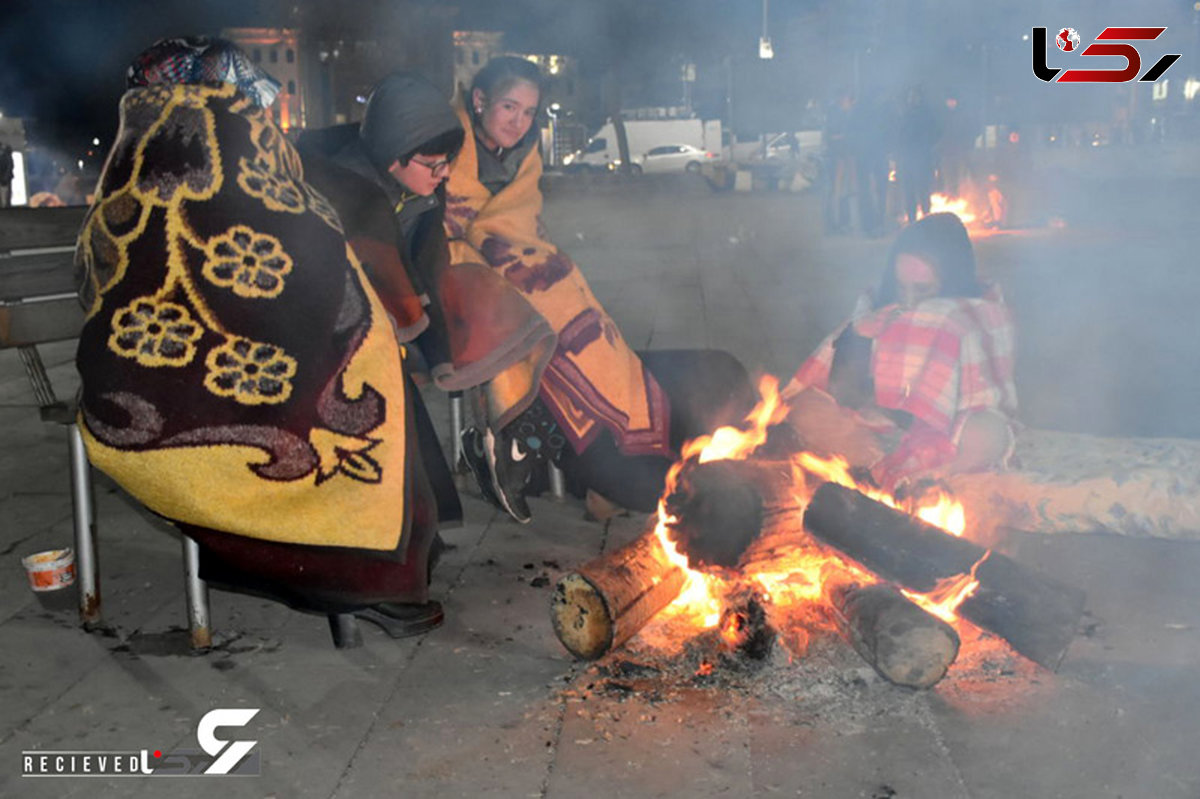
939, 361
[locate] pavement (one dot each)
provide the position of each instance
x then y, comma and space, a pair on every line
491, 704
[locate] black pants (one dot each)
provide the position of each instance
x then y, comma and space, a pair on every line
705, 389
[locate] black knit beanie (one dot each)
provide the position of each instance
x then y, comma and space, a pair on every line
404, 111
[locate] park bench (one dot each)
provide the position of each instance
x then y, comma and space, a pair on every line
39, 305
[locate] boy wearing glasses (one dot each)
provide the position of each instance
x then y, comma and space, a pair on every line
384, 177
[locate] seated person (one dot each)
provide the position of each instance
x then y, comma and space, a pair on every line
919, 382
240, 375
612, 419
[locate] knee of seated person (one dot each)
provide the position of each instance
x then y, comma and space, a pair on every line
983, 442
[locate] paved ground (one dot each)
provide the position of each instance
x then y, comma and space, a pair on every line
491, 704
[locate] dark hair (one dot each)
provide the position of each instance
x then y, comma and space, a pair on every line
503, 72
942, 241
447, 144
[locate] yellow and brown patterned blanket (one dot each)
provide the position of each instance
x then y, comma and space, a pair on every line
594, 380
239, 373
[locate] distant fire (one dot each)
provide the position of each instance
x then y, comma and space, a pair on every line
982, 210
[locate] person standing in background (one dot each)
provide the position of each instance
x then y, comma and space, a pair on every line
6, 175
917, 136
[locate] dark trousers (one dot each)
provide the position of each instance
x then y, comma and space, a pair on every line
705, 389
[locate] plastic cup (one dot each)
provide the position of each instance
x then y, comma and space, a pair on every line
52, 577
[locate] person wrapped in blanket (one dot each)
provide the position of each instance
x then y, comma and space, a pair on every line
240, 375
611, 418
919, 382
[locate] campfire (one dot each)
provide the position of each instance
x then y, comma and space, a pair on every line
755, 544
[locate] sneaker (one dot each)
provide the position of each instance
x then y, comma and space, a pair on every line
511, 465
475, 456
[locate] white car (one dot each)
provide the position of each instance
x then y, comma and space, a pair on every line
673, 158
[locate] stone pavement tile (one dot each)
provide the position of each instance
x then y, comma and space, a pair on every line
473, 712
828, 755
54, 652
34, 457
1079, 741
463, 720
315, 701
697, 745
1119, 717
26, 514
59, 361
32, 523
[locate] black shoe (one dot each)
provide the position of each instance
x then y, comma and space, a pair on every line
401, 621
511, 466
474, 455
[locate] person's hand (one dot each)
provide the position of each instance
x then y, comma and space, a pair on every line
922, 453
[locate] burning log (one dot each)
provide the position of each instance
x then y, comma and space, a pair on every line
719, 507
903, 643
1038, 616
603, 603
744, 627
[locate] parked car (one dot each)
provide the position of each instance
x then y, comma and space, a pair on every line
673, 158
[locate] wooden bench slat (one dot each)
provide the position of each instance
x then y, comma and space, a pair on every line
27, 276
40, 322
22, 228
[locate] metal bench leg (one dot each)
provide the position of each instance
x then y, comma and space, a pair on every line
85, 530
197, 596
456, 428
558, 485
345, 631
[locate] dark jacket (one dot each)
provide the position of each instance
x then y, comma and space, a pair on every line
380, 226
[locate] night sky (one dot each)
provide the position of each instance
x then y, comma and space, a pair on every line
62, 61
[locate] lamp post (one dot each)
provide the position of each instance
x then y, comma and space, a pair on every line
765, 50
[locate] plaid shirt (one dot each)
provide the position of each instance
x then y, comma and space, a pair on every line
938, 361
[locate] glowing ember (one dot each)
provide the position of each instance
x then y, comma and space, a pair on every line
731, 630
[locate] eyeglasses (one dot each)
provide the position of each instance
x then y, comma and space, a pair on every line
435, 168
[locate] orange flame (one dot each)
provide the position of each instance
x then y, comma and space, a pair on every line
948, 594
941, 203
731, 630
982, 209
734, 444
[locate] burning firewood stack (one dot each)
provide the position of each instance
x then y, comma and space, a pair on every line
748, 546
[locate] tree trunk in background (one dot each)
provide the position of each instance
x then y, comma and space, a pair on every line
612, 98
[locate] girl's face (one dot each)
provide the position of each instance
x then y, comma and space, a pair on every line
508, 116
916, 280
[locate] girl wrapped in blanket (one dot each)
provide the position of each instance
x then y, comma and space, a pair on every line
919, 381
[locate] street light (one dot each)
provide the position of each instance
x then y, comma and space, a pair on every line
765, 50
